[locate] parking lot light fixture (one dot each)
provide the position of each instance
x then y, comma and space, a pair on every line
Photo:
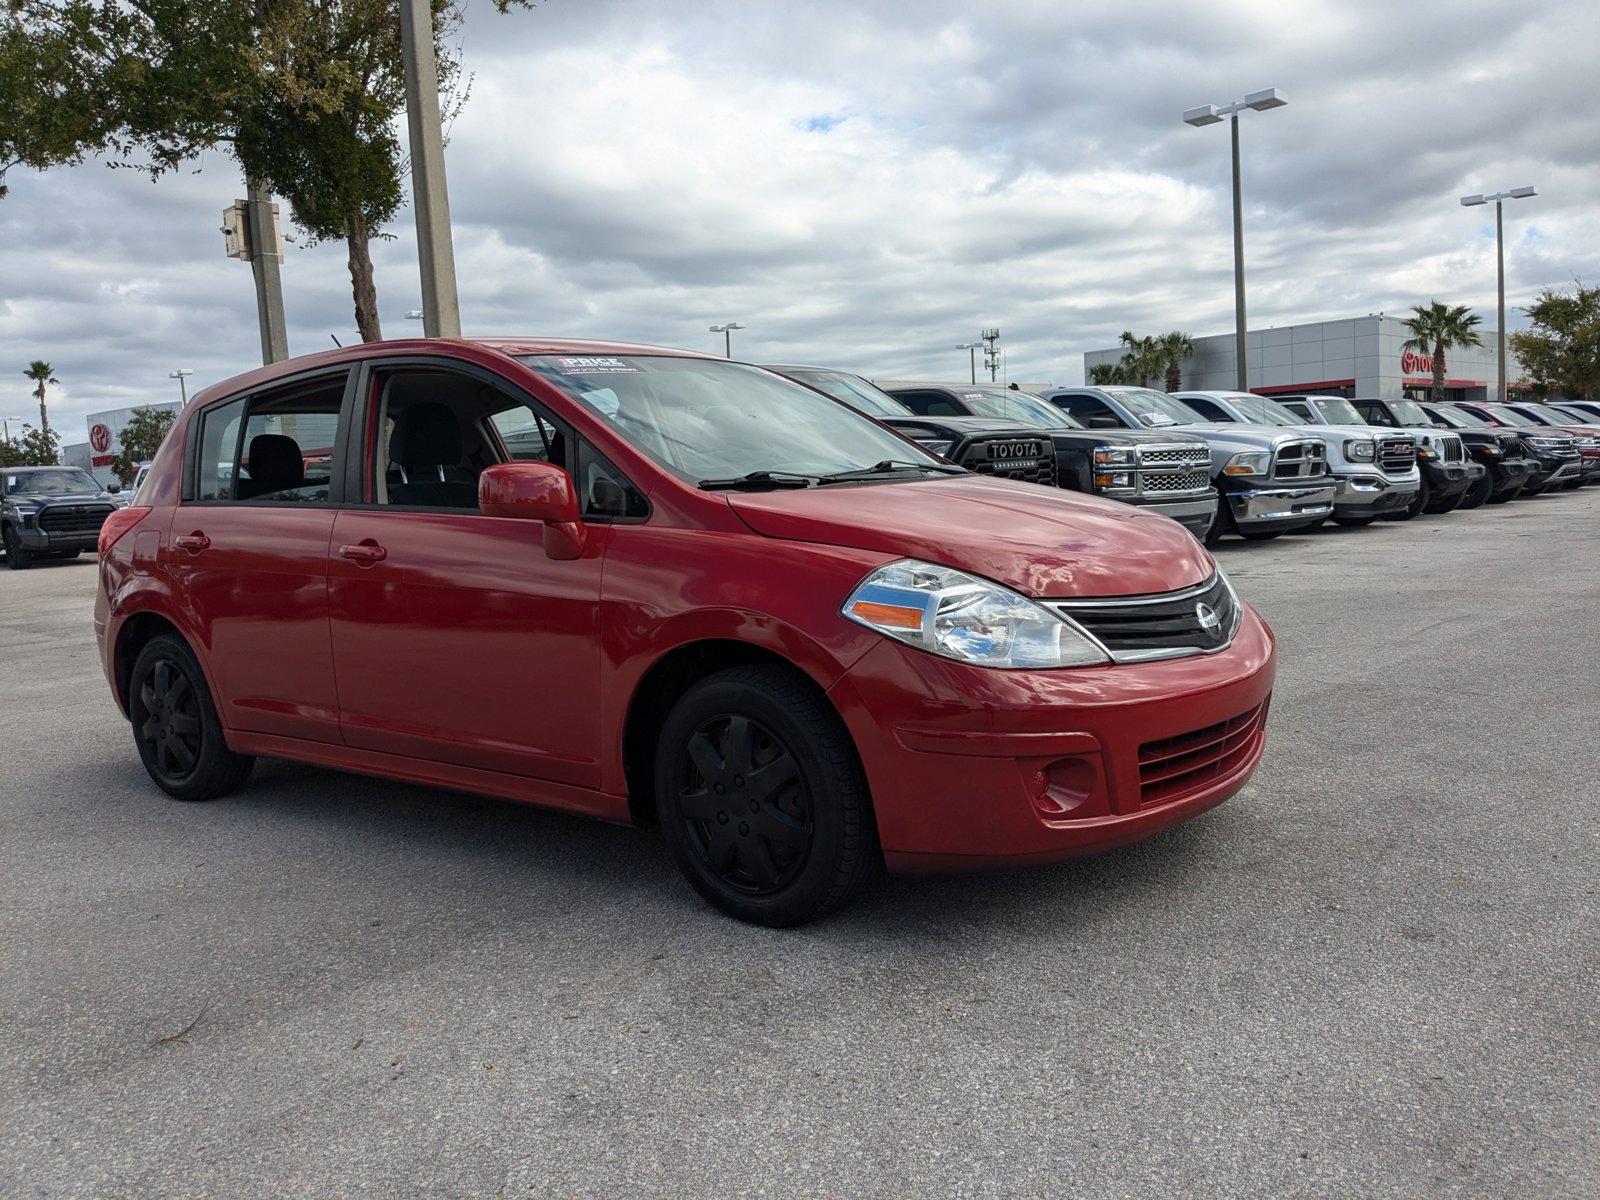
1211, 114
181, 374
1498, 200
727, 336
972, 349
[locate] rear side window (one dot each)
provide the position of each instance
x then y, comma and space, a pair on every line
1299, 408
1208, 410
219, 451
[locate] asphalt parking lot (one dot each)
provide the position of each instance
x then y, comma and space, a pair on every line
1374, 972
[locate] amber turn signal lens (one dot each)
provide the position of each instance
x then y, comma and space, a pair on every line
893, 615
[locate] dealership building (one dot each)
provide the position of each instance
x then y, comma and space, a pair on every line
105, 440
1353, 357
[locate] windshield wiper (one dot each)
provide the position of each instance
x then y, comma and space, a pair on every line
891, 466
758, 480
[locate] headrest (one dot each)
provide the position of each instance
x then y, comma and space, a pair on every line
425, 435
275, 458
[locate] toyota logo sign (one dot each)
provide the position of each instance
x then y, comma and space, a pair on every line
100, 438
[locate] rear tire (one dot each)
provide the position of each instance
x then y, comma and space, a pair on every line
17, 558
762, 799
176, 727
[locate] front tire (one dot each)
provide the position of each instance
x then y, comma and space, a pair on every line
176, 727
17, 558
1478, 494
762, 799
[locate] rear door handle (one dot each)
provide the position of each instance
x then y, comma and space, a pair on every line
192, 542
364, 553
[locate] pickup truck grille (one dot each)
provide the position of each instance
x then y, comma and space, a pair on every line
1174, 767
1029, 460
1163, 455
1300, 460
74, 518
1197, 620
1396, 456
1176, 481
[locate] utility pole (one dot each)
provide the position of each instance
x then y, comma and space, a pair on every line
441, 306
250, 233
972, 357
991, 352
181, 374
5, 426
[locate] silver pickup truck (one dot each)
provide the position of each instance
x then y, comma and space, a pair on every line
1270, 481
1375, 471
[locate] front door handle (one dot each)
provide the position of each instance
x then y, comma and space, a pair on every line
192, 542
364, 553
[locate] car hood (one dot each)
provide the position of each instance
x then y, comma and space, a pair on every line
1040, 541
36, 501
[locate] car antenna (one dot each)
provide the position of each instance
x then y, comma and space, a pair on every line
337, 342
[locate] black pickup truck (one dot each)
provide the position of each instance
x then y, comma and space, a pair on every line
1168, 473
51, 511
1551, 461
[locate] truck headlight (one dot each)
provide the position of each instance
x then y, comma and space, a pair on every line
1116, 479
1357, 451
1252, 462
1116, 456
956, 615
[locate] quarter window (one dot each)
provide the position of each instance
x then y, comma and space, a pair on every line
219, 451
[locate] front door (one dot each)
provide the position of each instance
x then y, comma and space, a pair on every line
455, 637
248, 549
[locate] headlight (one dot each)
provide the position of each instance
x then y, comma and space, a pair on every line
1490, 451
1360, 451
23, 516
941, 447
956, 615
1116, 456
1251, 463
1116, 479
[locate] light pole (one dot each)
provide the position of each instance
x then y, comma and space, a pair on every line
972, 349
1210, 114
727, 336
436, 253
5, 424
181, 374
1499, 198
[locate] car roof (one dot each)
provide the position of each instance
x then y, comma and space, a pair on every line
509, 346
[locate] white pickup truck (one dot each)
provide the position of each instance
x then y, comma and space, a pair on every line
1375, 470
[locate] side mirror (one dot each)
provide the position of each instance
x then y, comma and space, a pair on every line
113, 488
1104, 422
536, 491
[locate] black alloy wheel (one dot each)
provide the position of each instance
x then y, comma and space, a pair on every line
175, 724
762, 798
1478, 494
745, 806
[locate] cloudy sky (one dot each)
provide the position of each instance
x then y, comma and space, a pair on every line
866, 184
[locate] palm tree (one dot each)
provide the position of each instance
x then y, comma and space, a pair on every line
40, 372
1104, 373
1438, 328
1142, 359
1177, 348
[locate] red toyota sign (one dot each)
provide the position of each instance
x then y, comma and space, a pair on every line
1412, 363
100, 438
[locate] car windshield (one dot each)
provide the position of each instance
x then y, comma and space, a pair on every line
1460, 419
1010, 405
707, 419
1340, 412
1155, 409
1408, 412
852, 389
1511, 417
1552, 415
1261, 411
1578, 415
51, 483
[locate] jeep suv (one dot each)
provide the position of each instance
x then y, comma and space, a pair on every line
1446, 474
52, 512
1163, 472
1270, 481
648, 585
1505, 466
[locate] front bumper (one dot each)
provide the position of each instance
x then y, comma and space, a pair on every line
973, 768
1365, 495
1506, 474
1288, 507
1563, 473
44, 541
1194, 513
1447, 480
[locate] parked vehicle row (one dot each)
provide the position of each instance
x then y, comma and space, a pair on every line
810, 627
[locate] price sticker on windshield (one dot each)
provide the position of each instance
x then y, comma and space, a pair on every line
595, 366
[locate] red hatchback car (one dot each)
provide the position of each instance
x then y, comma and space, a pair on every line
645, 584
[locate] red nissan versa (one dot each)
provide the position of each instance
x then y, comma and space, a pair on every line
647, 584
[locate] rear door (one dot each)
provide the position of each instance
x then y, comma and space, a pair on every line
248, 551
457, 639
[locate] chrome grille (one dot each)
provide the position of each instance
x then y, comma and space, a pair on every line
1157, 455
1396, 456
1197, 620
1300, 460
1451, 449
1176, 481
74, 518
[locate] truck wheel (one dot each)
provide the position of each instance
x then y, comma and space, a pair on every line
17, 558
1355, 522
1503, 497
762, 799
176, 727
1221, 524
1418, 502
1478, 494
